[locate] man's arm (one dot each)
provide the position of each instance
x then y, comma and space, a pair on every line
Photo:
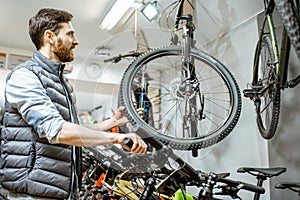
118, 119
73, 134
106, 124
26, 93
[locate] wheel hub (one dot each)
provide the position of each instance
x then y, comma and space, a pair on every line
177, 87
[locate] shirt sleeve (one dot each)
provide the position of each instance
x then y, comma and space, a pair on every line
25, 92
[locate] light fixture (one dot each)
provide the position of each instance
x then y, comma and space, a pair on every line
150, 10
119, 12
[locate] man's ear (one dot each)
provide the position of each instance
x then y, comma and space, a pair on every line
48, 36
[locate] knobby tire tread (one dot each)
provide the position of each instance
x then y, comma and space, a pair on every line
291, 21
175, 143
268, 132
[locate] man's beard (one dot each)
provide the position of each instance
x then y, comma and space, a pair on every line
63, 53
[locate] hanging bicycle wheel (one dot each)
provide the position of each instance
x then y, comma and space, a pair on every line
291, 20
268, 103
183, 120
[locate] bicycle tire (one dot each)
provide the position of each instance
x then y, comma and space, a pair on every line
268, 104
291, 21
163, 65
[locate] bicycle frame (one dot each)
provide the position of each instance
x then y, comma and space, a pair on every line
281, 62
281, 56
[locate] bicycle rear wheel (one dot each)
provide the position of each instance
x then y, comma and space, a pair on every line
268, 102
291, 21
185, 122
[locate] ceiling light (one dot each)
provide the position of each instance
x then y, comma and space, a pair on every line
120, 11
150, 10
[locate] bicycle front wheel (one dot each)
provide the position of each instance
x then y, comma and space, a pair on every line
267, 103
201, 118
289, 14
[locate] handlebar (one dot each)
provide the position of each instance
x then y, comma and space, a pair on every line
242, 185
118, 58
228, 186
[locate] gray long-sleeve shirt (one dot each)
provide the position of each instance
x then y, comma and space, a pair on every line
25, 91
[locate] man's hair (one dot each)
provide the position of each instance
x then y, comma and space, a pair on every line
46, 19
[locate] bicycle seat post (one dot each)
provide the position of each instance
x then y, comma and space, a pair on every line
260, 180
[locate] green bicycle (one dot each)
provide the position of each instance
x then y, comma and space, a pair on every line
271, 65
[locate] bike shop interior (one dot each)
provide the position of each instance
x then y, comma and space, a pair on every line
226, 29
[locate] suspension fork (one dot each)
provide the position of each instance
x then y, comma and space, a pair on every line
186, 57
267, 22
191, 83
281, 58
191, 89
187, 64
189, 73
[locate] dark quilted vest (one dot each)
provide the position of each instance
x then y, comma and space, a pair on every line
32, 165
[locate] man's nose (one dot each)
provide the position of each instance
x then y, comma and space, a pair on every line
76, 41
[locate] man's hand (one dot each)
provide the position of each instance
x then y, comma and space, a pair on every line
139, 146
120, 116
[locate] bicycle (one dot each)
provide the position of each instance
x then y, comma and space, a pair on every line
156, 175
270, 65
195, 99
211, 185
216, 185
110, 172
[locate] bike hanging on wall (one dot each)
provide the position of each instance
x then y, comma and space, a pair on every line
270, 66
195, 100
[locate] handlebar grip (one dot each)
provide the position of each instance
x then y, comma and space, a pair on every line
147, 138
128, 142
108, 60
244, 186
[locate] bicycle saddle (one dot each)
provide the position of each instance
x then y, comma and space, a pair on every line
267, 172
283, 185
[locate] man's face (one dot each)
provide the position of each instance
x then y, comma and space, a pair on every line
65, 43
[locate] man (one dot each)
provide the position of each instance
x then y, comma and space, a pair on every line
41, 138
